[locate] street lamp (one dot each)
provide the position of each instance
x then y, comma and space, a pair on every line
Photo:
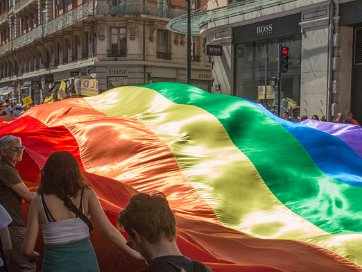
188, 47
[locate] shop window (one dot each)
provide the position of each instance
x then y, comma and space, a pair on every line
57, 53
65, 51
118, 43
75, 48
358, 46
65, 6
256, 65
162, 48
56, 7
196, 43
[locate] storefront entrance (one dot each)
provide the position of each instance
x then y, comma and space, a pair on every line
256, 62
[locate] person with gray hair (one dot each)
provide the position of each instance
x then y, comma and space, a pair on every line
12, 191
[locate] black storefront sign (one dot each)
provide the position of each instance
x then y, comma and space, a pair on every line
351, 13
214, 50
74, 73
275, 28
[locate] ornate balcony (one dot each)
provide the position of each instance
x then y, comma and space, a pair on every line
71, 17
137, 7
27, 38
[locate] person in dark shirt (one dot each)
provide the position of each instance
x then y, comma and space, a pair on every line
12, 191
151, 227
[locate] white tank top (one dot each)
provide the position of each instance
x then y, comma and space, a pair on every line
64, 231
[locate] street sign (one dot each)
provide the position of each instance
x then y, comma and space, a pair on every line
27, 101
74, 73
214, 50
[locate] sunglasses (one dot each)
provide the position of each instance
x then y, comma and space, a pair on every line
17, 149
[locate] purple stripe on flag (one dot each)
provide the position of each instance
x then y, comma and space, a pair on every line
350, 134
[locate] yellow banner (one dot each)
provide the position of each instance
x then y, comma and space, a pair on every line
269, 92
86, 87
27, 101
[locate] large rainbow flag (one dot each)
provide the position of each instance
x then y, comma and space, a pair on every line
251, 192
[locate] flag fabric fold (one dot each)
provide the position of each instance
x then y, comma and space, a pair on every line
250, 191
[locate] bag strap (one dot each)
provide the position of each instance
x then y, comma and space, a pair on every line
69, 204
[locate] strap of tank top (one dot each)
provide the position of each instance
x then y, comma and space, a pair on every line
46, 210
81, 201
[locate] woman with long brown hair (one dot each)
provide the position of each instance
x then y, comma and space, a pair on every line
62, 208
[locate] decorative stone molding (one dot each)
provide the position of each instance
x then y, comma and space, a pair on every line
153, 28
175, 40
132, 30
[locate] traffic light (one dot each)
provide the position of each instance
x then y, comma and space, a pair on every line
283, 59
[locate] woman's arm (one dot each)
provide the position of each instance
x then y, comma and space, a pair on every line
100, 219
32, 228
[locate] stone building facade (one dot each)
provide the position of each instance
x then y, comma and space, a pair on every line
117, 42
325, 58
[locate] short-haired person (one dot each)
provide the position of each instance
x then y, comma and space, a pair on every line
12, 191
151, 227
5, 239
61, 209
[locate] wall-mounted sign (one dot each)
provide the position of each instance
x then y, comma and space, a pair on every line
74, 73
285, 26
214, 50
263, 30
117, 72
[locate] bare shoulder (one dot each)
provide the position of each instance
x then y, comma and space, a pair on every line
89, 193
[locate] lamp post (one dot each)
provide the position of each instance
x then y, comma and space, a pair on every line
188, 47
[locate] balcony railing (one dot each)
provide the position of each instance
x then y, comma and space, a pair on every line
78, 14
163, 55
136, 7
116, 53
27, 38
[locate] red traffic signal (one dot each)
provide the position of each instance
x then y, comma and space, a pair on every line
283, 59
285, 50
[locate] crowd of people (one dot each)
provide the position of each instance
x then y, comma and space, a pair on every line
65, 208
338, 119
10, 108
